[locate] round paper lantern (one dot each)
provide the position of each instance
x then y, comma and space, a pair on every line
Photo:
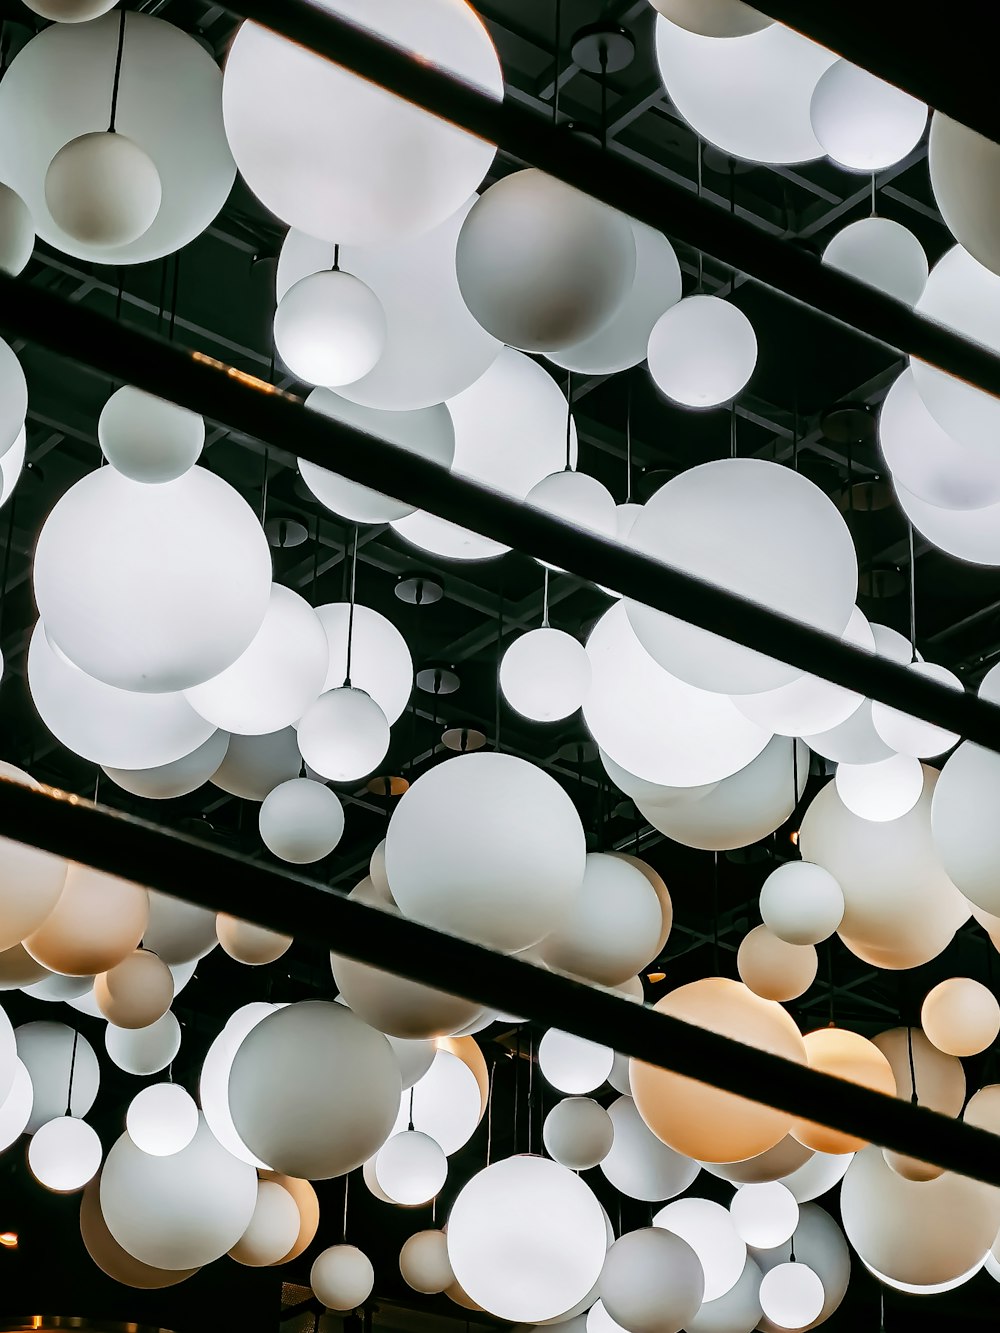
883, 254
764, 1215
545, 674
750, 97
46, 1051
276, 679
17, 232
272, 1229
131, 600
808, 703
614, 928
935, 1288
960, 1016
249, 943
542, 266
98, 921
639, 1164
578, 1133
331, 1126
434, 348
901, 909
965, 178
178, 932
307, 1205
787, 546
920, 1232
287, 109
706, 1123
850, 1056
393, 1004
572, 1064
713, 18
510, 432
578, 499
30, 880
737, 1312
380, 660
801, 903
652, 1282
184, 139
103, 190
177, 1211
109, 1256
105, 724
774, 969
255, 765
937, 1080
882, 791
708, 1229
856, 741
864, 123
702, 351
774, 1164
329, 328
652, 724
15, 399
983, 1109
622, 342
449, 1100
509, 819
15, 1109
792, 1295
301, 821
738, 811
910, 735
342, 1277
926, 460
162, 1119
968, 534
411, 1168
424, 1264
547, 1223
177, 778
662, 893
149, 439
135, 992
144, 1050
19, 969
213, 1087
344, 735
64, 1154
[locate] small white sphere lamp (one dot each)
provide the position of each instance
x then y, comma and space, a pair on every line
162, 1119
301, 821
702, 352
864, 123
342, 1277
330, 328
64, 1154
147, 438
792, 1296
103, 190
545, 674
344, 735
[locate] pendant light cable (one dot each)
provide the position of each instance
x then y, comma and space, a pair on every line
913, 595
628, 443
569, 421
350, 613
72, 1070
118, 70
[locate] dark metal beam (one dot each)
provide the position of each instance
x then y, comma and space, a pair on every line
275, 416
530, 137
224, 881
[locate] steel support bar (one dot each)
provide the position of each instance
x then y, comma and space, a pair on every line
660, 203
226, 882
276, 417
951, 66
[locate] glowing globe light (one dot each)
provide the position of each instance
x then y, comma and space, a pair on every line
178, 932
882, 253
709, 1229
411, 1168
639, 1164
792, 1295
255, 765
144, 1050
702, 351
864, 123
287, 109
272, 1230
64, 1154
750, 97
344, 735
301, 821
965, 836
111, 1258
31, 881
881, 791
97, 922
70, 11
576, 498
545, 674
103, 190
423, 1262
764, 1215
329, 328
961, 1016
177, 778
965, 171
342, 1277
573, 1064
936, 1080
149, 439
713, 18
846, 1055
856, 741
213, 1087
162, 1119
819, 1244
578, 1133
131, 600
11, 466
774, 969
307, 1206
548, 1223
652, 1282
449, 1098
135, 992
910, 735
17, 232
248, 943
737, 1312
801, 903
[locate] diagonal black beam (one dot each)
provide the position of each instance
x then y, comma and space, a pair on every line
224, 881
950, 65
660, 203
274, 416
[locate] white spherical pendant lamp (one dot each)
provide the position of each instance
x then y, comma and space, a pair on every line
342, 1277
144, 1051
764, 1215
344, 735
135, 992
652, 1282
883, 254
965, 178
911, 735
864, 123
411, 1168
850, 1056
380, 660
578, 1133
961, 1016
248, 943
149, 439
424, 1264
17, 232
545, 674
774, 969
97, 922
301, 821
103, 190
709, 1229
792, 1296
162, 1119
272, 1230
47, 1052
882, 791
801, 903
702, 352
329, 328
573, 1064
640, 1165
713, 18
64, 1154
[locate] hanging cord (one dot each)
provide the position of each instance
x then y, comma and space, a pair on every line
913, 596
732, 429
263, 488
491, 1087
336, 258
628, 443
603, 52
496, 692
409, 1126
557, 58
881, 1316
6, 560
715, 912
698, 179
517, 1085
350, 613
791, 1249
118, 70
874, 190
347, 1179
913, 1073
829, 980
531, 1087
72, 1069
545, 599
569, 421
795, 436
173, 296
315, 573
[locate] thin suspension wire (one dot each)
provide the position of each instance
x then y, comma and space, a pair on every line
263, 486
732, 430
410, 1124
347, 1180
914, 1100
557, 58
336, 258
531, 1087
829, 981
545, 599
118, 70
490, 1092
72, 1069
874, 195
913, 595
698, 177
569, 421
350, 613
6, 560
173, 296
628, 443
715, 912
604, 95
496, 691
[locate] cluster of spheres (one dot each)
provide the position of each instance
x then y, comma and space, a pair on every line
420, 308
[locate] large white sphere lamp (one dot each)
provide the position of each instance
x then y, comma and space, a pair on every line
883, 791
572, 1064
846, 1055
47, 1052
380, 659
147, 438
162, 1119
710, 1231
713, 18
144, 1051
792, 1295
180, 777
578, 1133
764, 1215
97, 922
15, 399
272, 1230
801, 903
639, 1165
652, 1282
423, 1262
411, 1168
135, 992
103, 190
